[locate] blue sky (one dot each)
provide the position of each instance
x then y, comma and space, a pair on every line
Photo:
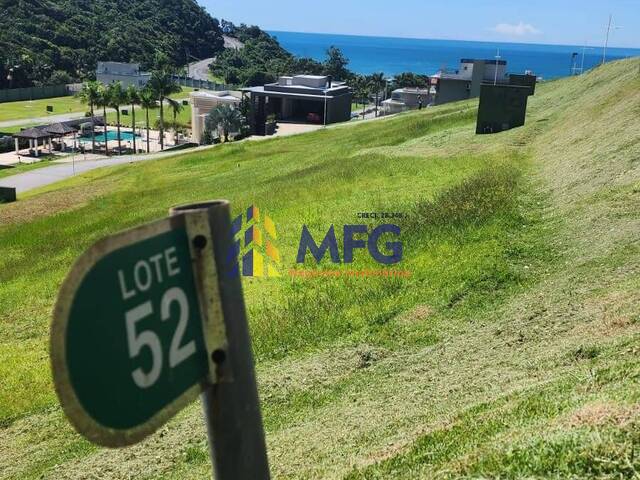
540, 21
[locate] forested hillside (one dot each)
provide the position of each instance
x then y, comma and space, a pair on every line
58, 41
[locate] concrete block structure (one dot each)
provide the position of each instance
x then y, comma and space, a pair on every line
502, 107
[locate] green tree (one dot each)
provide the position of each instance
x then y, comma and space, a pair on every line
410, 80
377, 82
133, 99
90, 95
361, 90
336, 64
162, 84
104, 101
224, 117
176, 108
148, 102
117, 98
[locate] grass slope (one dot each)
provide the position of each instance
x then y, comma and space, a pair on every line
510, 351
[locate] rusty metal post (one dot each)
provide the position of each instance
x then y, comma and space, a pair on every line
231, 407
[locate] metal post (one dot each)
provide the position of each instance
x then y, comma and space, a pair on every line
325, 108
606, 41
231, 407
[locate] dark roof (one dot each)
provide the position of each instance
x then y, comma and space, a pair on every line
59, 129
33, 133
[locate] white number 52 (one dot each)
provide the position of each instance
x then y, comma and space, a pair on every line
178, 353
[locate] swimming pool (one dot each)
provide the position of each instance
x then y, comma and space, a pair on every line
111, 135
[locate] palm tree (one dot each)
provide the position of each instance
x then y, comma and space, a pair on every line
147, 101
117, 97
90, 95
133, 98
176, 108
104, 101
377, 81
162, 84
226, 117
361, 89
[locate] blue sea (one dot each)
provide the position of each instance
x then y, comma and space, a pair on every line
395, 55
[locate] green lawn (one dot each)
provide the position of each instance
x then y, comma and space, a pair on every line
510, 351
38, 108
61, 105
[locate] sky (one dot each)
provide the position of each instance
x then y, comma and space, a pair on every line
564, 22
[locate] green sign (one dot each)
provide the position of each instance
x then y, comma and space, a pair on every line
128, 348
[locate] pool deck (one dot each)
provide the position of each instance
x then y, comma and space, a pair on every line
10, 158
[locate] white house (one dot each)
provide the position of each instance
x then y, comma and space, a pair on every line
127, 73
202, 103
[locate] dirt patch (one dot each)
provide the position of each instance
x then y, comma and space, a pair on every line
599, 414
48, 204
416, 315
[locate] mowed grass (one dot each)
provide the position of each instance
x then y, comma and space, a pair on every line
510, 350
61, 105
38, 108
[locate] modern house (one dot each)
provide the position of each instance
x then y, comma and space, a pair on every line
201, 104
403, 99
126, 73
465, 82
299, 98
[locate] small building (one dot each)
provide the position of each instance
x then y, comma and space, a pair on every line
126, 73
465, 82
502, 107
201, 104
300, 99
403, 99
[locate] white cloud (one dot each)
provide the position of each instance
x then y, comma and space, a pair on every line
516, 30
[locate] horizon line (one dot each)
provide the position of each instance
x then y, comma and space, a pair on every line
452, 39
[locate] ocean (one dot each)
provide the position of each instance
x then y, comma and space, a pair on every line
395, 55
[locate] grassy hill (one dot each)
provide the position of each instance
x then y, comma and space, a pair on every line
511, 350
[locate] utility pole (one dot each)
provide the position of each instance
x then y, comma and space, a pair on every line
606, 41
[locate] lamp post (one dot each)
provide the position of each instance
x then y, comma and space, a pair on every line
606, 41
495, 79
324, 118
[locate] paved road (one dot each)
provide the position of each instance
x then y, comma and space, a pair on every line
42, 120
200, 70
60, 171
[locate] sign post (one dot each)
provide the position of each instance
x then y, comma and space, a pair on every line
145, 322
231, 408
